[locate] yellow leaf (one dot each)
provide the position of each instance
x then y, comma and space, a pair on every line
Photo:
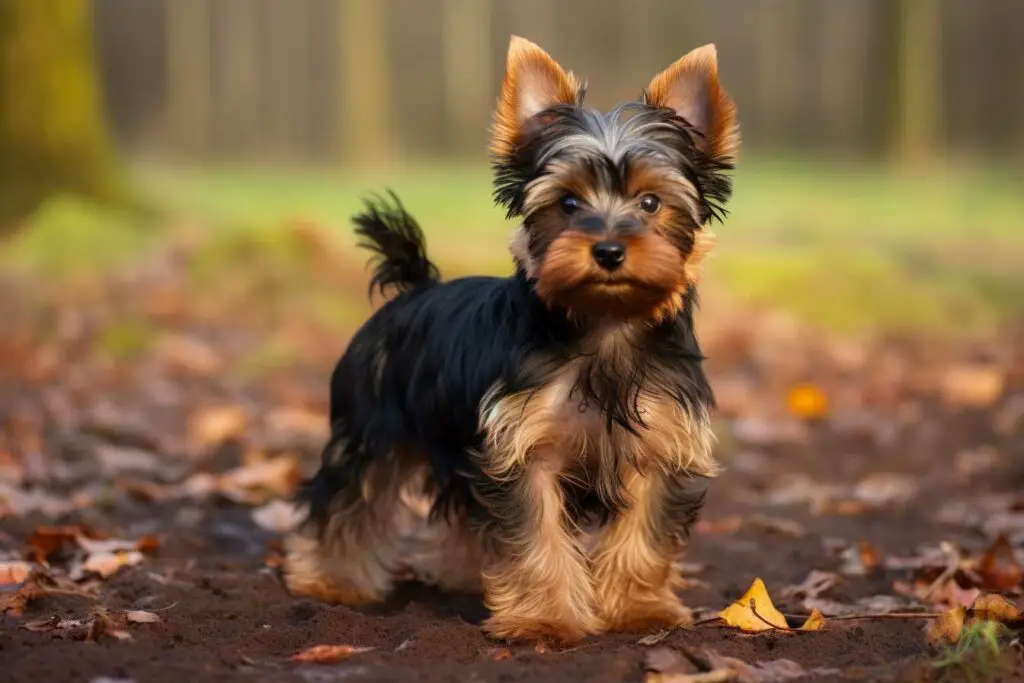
807, 401
815, 622
741, 614
993, 607
948, 626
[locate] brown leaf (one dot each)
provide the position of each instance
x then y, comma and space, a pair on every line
664, 665
860, 559
105, 624
948, 626
972, 385
214, 426
47, 541
776, 671
816, 584
991, 607
12, 573
14, 602
253, 483
500, 654
998, 567
327, 654
741, 614
108, 564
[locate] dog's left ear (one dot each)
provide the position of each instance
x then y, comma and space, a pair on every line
690, 87
533, 82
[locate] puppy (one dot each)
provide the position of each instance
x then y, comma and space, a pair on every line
542, 438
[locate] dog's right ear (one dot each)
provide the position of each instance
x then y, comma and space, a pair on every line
533, 82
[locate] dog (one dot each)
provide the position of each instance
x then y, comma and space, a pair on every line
542, 438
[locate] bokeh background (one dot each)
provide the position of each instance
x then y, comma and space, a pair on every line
879, 185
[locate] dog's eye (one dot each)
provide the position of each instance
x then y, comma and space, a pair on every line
569, 203
649, 203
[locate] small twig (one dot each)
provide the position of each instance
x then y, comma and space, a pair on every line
707, 620
887, 615
753, 608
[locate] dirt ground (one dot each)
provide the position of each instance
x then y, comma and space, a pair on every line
894, 468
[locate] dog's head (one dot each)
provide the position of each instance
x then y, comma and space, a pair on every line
614, 206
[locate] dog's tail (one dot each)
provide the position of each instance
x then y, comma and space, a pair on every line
396, 240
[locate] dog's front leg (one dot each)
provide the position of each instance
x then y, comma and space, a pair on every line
633, 569
537, 587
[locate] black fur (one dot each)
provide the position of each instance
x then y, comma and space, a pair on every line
413, 376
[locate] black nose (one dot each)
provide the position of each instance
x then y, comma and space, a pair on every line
609, 254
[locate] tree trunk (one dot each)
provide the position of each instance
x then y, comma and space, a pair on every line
917, 120
53, 136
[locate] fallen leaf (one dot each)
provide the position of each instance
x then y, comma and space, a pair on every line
972, 385
815, 622
784, 527
740, 614
816, 583
998, 567
807, 401
992, 607
884, 488
12, 573
948, 626
253, 483
665, 665
215, 426
859, 560
108, 564
327, 654
142, 617
105, 624
775, 671
278, 516
500, 654
47, 541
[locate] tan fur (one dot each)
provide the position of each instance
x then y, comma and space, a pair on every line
632, 574
540, 589
384, 537
690, 86
633, 568
533, 82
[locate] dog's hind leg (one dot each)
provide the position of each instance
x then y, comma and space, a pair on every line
354, 554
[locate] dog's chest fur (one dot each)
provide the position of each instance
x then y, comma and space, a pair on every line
606, 409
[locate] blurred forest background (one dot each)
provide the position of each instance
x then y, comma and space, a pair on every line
879, 182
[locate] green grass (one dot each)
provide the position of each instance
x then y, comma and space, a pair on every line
848, 247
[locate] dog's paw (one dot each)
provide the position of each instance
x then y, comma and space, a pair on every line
658, 612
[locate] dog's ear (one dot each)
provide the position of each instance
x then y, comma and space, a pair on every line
533, 82
690, 87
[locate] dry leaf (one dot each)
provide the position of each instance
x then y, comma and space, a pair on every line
815, 622
141, 617
776, 671
860, 559
278, 516
807, 401
13, 573
253, 483
327, 654
998, 567
947, 626
500, 654
665, 665
992, 607
973, 385
816, 584
215, 426
107, 564
740, 614
653, 639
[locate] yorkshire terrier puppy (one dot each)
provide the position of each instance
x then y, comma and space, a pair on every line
480, 426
